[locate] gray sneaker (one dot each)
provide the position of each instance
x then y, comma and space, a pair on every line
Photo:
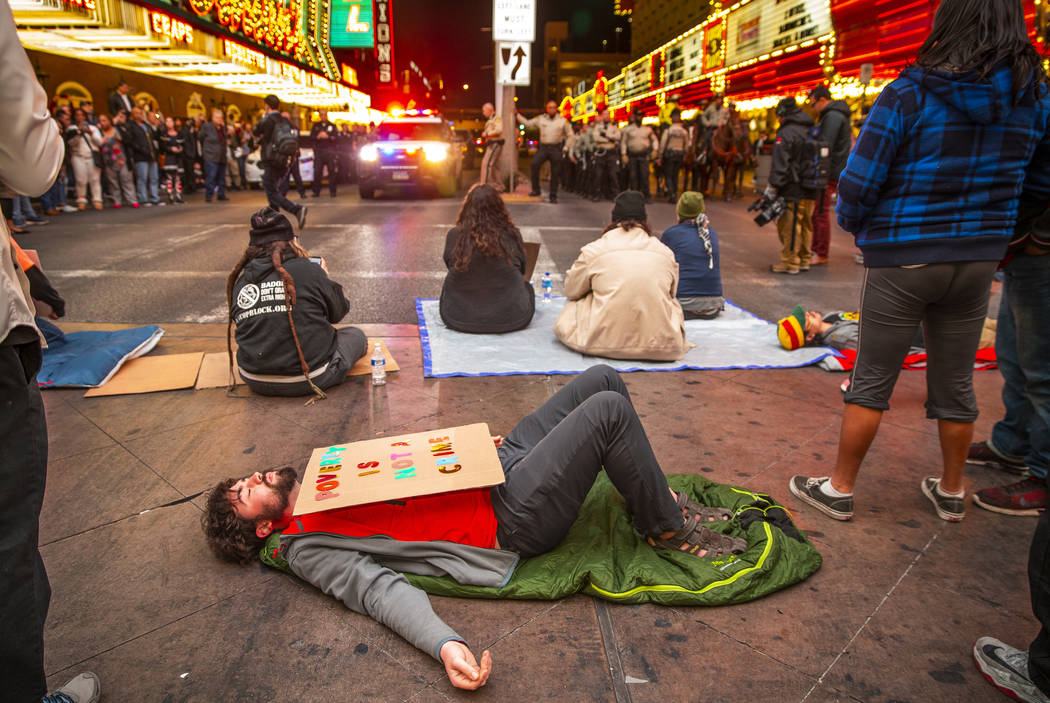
949, 508
808, 491
82, 688
1006, 668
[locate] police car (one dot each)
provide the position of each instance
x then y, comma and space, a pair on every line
412, 150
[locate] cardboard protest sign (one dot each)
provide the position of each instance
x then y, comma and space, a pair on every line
424, 463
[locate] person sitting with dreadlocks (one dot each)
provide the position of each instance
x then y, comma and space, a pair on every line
284, 305
694, 243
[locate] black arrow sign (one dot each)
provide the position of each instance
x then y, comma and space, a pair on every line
520, 53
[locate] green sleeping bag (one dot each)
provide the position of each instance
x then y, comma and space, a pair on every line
604, 556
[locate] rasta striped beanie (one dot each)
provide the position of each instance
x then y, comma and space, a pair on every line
791, 330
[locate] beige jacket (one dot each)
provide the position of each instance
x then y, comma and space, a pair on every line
31, 153
622, 305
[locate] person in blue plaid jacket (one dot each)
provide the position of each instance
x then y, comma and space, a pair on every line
931, 193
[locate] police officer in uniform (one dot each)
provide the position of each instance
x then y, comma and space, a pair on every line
636, 147
326, 153
606, 157
493, 136
555, 135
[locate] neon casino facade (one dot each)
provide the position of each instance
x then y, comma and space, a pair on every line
755, 52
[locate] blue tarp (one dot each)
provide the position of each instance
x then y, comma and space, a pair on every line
88, 359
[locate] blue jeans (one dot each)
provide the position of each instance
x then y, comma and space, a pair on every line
55, 197
1022, 346
146, 174
214, 179
23, 210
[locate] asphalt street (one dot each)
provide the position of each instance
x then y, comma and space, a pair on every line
169, 264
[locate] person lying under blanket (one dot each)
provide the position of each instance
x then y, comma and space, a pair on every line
838, 330
550, 461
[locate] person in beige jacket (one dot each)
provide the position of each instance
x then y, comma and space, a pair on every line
621, 292
31, 152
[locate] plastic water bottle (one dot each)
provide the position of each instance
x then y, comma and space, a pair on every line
547, 286
378, 366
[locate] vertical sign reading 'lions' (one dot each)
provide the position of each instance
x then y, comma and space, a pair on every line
425, 463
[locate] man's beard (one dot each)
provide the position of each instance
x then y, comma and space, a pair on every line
282, 489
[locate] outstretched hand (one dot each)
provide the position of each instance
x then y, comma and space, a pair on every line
462, 668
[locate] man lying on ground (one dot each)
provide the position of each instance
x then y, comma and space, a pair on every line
550, 460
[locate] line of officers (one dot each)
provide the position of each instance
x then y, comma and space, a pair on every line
598, 160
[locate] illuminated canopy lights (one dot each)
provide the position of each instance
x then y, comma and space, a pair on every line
147, 43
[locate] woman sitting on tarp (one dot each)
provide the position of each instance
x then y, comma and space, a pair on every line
284, 305
485, 291
621, 292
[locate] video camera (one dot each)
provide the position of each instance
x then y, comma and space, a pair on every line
769, 208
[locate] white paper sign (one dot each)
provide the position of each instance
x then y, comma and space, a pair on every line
514, 20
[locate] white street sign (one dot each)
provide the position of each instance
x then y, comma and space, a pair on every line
514, 20
513, 62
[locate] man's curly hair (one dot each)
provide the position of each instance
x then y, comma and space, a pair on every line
230, 536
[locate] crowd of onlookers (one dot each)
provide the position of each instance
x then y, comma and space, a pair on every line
135, 156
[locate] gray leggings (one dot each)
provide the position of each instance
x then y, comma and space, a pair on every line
951, 302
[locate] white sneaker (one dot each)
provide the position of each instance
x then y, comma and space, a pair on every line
1006, 668
68, 208
82, 688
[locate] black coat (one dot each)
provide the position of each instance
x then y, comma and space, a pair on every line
794, 126
836, 131
491, 296
264, 337
116, 104
138, 142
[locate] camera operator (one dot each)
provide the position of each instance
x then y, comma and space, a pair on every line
795, 224
606, 157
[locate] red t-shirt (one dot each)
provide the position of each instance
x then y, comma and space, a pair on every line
463, 517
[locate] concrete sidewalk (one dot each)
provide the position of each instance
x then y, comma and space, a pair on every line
891, 616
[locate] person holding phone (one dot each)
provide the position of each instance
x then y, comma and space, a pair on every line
85, 155
284, 306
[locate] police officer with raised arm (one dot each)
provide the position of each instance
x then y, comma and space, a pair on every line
555, 136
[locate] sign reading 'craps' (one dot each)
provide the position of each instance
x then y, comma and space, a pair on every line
390, 468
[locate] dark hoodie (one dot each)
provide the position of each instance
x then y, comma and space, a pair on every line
835, 130
794, 126
939, 167
264, 337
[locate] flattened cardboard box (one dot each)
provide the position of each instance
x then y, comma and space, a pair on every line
388, 468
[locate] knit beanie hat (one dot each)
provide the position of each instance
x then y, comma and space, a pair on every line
690, 204
786, 107
629, 205
268, 226
791, 330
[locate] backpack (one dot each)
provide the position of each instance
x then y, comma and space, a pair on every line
284, 144
811, 161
